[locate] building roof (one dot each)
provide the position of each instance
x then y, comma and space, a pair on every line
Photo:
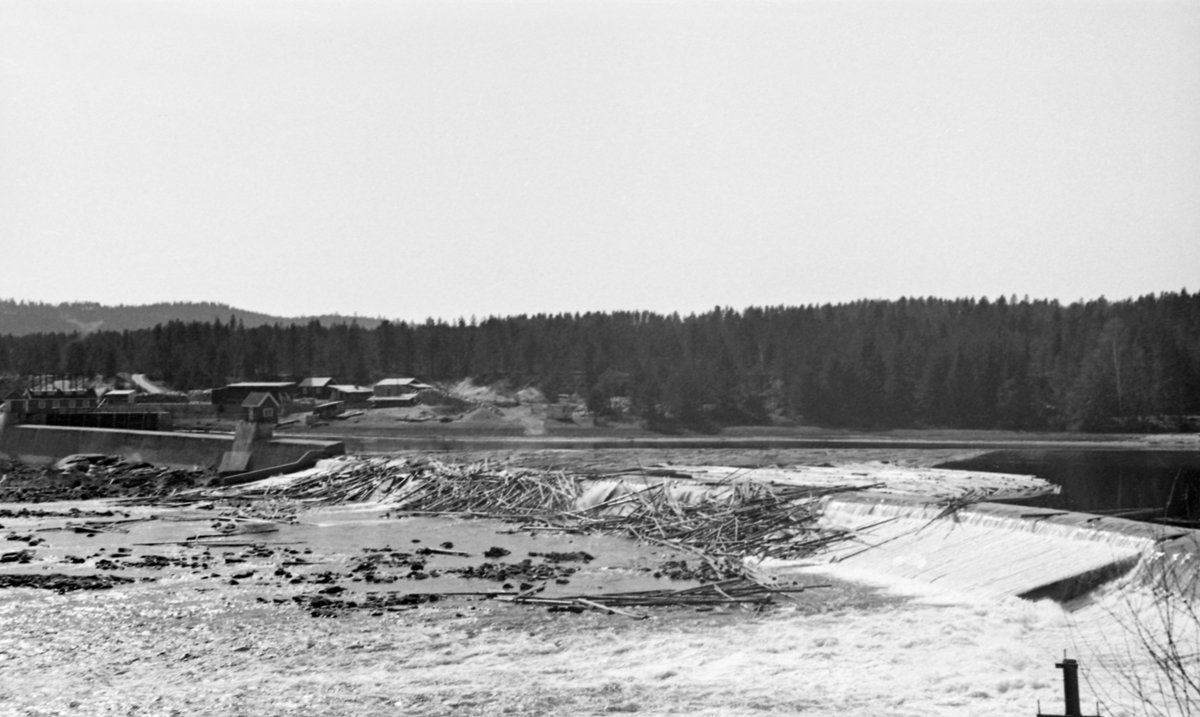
399, 382
262, 384
258, 399
316, 382
60, 393
348, 388
401, 397
121, 392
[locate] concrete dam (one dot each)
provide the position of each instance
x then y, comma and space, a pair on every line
47, 444
993, 548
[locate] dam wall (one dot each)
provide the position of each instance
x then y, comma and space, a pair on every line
47, 444
995, 548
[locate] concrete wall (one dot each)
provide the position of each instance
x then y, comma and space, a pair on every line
47, 444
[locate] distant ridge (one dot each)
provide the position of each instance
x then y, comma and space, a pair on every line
18, 318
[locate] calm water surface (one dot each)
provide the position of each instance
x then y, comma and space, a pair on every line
1144, 485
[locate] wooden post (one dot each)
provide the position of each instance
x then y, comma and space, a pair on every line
1070, 670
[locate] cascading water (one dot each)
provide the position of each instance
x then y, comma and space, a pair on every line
989, 547
1129, 592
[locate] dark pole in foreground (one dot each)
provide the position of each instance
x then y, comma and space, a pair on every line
1070, 670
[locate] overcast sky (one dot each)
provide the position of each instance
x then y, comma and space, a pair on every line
446, 159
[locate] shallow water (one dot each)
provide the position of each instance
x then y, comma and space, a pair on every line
332, 539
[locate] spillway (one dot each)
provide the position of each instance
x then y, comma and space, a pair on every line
992, 548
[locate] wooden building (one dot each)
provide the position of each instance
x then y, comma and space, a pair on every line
390, 387
351, 396
315, 387
328, 410
402, 401
230, 398
52, 400
63, 405
119, 396
260, 407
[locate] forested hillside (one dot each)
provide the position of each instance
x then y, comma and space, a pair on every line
963, 363
24, 317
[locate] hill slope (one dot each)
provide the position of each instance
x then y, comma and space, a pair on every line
19, 318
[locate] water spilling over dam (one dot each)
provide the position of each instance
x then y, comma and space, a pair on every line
993, 548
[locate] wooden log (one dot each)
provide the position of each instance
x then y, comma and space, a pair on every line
609, 608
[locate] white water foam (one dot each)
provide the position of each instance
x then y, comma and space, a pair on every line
996, 551
971, 565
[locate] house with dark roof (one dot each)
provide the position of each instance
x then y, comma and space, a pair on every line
231, 397
260, 407
50, 399
56, 405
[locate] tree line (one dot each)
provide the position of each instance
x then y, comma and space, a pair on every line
951, 363
31, 317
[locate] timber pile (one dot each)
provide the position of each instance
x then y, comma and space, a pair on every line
720, 515
750, 519
722, 527
929, 483
430, 487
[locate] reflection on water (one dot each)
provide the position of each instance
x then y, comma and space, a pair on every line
1141, 485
